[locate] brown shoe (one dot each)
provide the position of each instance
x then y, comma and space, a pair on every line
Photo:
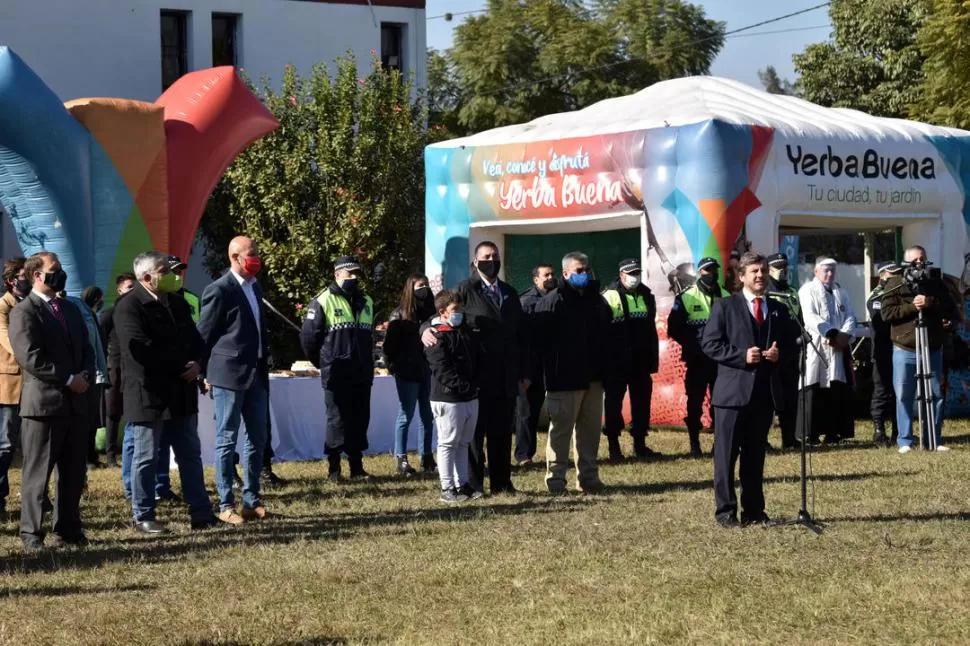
254, 513
230, 516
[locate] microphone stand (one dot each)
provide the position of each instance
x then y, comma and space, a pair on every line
281, 315
804, 518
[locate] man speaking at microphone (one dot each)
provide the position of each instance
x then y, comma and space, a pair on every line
746, 335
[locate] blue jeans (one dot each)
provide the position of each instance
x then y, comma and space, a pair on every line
9, 439
904, 383
251, 407
413, 394
163, 477
163, 481
127, 454
184, 435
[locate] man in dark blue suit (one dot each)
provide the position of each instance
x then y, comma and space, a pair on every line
234, 331
745, 335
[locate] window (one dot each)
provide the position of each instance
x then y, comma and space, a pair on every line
224, 27
392, 46
175, 54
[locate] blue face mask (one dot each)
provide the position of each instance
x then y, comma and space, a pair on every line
579, 280
456, 319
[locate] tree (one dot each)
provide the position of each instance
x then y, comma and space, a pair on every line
872, 63
443, 93
527, 58
772, 83
943, 41
343, 174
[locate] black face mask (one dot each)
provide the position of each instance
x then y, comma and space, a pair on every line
708, 281
782, 282
549, 285
23, 286
56, 280
422, 293
489, 268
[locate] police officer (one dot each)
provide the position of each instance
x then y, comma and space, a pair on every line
178, 268
685, 325
788, 368
883, 406
337, 337
633, 356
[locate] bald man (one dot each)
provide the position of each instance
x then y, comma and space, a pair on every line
234, 330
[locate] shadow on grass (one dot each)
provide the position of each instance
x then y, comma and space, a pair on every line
892, 518
65, 591
310, 641
286, 530
702, 485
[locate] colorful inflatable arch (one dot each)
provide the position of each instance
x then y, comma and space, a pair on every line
99, 180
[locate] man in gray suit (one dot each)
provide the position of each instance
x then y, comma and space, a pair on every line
50, 343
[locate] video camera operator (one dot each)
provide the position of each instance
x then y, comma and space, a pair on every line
916, 290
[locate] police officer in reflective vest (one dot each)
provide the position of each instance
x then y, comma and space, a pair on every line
685, 325
338, 339
883, 406
788, 367
633, 358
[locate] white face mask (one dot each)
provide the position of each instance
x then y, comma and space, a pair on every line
631, 282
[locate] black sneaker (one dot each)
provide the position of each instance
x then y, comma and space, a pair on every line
452, 496
167, 495
470, 492
404, 468
428, 465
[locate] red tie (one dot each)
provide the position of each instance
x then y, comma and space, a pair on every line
759, 316
56, 308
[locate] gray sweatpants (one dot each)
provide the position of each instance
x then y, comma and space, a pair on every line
455, 422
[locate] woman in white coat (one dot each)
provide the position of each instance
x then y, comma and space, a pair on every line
826, 390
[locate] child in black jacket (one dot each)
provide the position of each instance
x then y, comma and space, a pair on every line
454, 394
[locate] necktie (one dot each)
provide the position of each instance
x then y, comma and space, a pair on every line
56, 308
759, 316
493, 293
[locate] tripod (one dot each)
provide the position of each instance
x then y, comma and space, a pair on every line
924, 387
804, 518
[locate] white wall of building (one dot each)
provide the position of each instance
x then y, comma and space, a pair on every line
112, 48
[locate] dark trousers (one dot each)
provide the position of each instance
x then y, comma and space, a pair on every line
698, 381
348, 416
883, 405
788, 418
48, 442
826, 411
494, 429
741, 432
92, 419
9, 442
641, 392
528, 405
113, 410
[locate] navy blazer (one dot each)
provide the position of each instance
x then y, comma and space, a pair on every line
728, 334
232, 339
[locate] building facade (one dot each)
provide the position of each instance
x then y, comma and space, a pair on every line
136, 48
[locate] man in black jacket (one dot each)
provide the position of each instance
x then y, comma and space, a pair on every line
162, 355
633, 357
529, 403
494, 313
574, 321
50, 342
883, 404
124, 283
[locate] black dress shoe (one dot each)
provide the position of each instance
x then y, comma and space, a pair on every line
167, 496
271, 479
754, 519
150, 527
204, 523
728, 522
79, 540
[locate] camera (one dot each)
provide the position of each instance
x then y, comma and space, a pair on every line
918, 273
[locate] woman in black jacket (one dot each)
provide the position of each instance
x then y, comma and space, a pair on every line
405, 358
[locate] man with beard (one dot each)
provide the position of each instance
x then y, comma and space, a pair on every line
685, 325
830, 322
788, 369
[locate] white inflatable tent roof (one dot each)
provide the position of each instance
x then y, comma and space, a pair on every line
696, 99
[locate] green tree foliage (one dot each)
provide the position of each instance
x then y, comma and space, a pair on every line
526, 58
774, 84
943, 40
343, 174
872, 63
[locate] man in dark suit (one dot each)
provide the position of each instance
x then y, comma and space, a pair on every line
745, 335
50, 342
529, 403
494, 313
161, 363
124, 283
234, 331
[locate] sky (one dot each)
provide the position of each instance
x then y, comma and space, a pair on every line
740, 58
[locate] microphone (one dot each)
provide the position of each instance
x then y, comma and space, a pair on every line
783, 295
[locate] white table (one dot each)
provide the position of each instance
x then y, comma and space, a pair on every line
299, 418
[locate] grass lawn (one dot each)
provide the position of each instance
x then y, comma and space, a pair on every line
642, 564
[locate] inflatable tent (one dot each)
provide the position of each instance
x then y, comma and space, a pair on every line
690, 168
